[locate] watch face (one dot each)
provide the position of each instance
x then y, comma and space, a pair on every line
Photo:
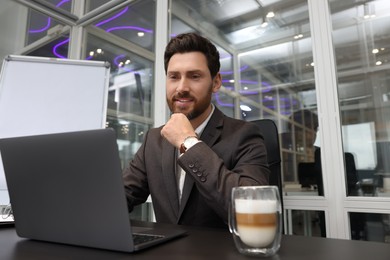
190, 142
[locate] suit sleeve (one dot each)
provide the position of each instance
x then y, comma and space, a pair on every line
135, 179
236, 159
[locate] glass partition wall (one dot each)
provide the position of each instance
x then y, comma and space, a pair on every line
362, 55
317, 68
269, 45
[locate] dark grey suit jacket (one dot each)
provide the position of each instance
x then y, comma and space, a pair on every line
232, 153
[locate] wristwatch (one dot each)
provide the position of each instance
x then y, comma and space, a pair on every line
188, 142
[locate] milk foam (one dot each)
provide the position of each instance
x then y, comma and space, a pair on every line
255, 206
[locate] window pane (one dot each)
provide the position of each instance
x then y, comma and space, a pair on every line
131, 79
93, 4
370, 227
362, 47
64, 5
129, 136
224, 102
135, 23
57, 48
40, 25
305, 223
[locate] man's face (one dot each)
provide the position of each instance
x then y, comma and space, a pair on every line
189, 84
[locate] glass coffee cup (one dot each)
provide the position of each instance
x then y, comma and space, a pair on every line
255, 219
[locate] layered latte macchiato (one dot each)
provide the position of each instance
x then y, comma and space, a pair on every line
257, 221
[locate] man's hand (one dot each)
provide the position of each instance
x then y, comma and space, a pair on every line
177, 129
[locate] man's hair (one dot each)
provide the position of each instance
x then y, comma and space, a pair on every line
192, 42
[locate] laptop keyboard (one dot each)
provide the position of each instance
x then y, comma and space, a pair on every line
143, 238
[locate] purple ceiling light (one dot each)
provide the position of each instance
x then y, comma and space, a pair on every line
113, 17
129, 28
59, 45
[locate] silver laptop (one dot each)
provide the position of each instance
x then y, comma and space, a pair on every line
68, 188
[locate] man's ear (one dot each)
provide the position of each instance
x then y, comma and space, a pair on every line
217, 82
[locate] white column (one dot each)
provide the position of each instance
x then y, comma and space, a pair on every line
329, 117
161, 33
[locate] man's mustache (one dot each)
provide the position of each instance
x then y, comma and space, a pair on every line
182, 95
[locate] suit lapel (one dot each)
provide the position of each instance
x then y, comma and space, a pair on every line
210, 135
169, 175
213, 129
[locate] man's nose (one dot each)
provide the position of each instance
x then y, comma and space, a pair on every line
183, 85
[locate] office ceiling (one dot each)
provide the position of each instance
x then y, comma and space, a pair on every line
238, 23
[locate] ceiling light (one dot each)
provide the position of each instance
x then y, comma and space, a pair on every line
375, 51
270, 14
298, 36
264, 24
366, 9
378, 63
369, 11
140, 34
245, 108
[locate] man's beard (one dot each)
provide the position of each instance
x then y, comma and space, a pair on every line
199, 105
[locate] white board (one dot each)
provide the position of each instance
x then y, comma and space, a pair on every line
41, 95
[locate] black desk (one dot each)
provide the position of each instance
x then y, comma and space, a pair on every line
198, 244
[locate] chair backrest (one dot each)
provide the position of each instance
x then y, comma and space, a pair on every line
270, 133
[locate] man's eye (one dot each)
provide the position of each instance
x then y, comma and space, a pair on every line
172, 76
196, 76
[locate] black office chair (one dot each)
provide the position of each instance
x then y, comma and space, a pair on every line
271, 139
307, 174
